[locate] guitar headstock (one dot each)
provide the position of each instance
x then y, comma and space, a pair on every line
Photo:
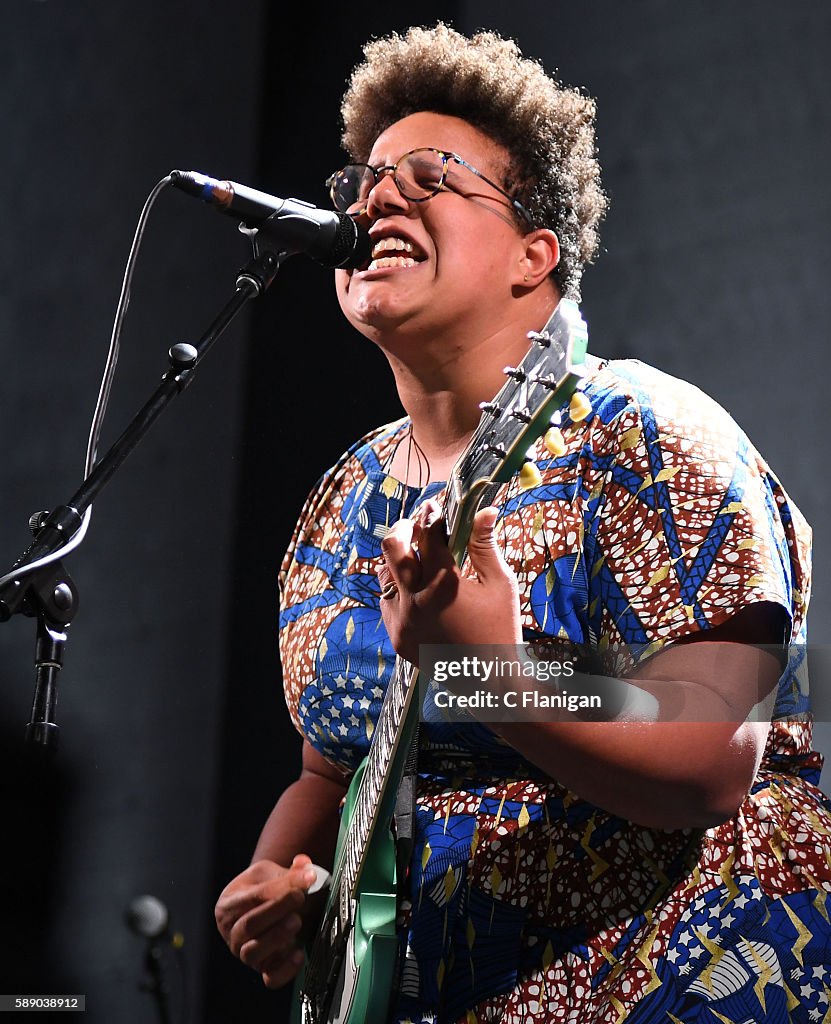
520, 412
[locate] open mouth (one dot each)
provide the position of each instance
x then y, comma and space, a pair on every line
393, 252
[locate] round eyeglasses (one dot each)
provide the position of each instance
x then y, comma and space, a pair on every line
419, 175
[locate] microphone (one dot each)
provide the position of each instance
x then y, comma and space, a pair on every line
333, 239
147, 916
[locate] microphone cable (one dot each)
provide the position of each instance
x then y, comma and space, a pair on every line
104, 391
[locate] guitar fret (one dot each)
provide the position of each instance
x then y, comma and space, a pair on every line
544, 378
368, 799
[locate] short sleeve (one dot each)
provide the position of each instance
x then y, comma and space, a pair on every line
689, 524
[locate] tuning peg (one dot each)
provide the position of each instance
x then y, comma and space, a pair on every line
529, 475
515, 372
548, 381
541, 338
522, 415
497, 449
579, 407
554, 441
491, 408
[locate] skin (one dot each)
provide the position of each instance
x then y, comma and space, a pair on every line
261, 912
688, 765
447, 327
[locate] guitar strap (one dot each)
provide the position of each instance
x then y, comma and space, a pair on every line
405, 812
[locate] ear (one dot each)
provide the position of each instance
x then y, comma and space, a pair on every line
541, 254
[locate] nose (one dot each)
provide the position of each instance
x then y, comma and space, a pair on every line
384, 196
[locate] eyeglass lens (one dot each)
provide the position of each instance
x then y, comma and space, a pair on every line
418, 175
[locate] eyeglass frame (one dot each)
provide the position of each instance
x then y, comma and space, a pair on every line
446, 156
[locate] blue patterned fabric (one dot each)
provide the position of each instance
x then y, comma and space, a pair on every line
527, 902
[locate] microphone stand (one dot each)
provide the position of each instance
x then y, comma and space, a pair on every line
48, 592
155, 982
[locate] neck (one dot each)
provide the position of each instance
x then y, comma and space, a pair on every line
439, 433
441, 383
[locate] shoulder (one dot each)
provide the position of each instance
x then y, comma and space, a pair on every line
369, 453
693, 518
647, 419
631, 386
335, 492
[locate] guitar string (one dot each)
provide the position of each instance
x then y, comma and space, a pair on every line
345, 865
375, 772
423, 462
345, 872
414, 452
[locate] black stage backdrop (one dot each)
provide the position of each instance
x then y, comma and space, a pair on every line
175, 742
99, 101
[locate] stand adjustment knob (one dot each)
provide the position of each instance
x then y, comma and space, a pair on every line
62, 597
36, 521
182, 356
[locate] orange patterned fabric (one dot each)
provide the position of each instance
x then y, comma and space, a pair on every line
529, 904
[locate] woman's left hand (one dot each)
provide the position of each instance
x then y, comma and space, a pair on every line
431, 602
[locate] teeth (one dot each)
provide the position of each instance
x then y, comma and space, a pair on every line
396, 244
392, 261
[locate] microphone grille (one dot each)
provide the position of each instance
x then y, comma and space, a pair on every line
352, 245
147, 916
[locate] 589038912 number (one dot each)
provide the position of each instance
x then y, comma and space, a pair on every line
42, 1002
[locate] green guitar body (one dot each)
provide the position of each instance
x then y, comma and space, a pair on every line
368, 974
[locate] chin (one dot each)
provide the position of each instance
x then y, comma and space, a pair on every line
373, 314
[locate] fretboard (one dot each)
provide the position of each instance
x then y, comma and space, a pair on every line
518, 414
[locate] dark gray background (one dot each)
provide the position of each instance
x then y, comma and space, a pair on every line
99, 101
175, 742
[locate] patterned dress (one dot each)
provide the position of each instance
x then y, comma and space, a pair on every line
530, 904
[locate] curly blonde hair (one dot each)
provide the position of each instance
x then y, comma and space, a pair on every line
547, 127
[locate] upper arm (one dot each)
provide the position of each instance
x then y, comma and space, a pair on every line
690, 539
315, 764
735, 666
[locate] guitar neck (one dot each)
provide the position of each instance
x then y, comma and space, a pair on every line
397, 720
383, 769
519, 414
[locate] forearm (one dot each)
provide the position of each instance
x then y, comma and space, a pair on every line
659, 774
665, 750
675, 744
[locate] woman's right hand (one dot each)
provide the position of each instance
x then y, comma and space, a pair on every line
261, 912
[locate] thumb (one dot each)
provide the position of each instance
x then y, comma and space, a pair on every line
482, 549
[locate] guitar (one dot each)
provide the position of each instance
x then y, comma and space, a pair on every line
350, 967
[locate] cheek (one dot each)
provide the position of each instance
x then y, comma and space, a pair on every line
478, 266
354, 303
345, 300
341, 284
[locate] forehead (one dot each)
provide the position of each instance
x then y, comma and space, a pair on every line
441, 131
